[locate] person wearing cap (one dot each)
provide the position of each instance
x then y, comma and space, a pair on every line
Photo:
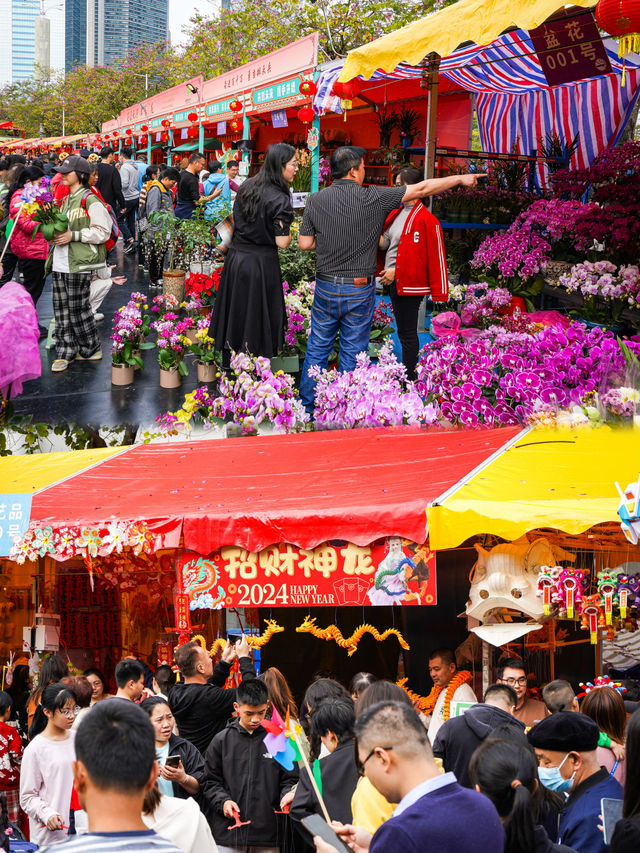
77, 253
566, 744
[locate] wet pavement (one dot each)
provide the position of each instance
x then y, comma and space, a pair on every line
83, 394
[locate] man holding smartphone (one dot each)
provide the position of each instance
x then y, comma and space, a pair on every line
199, 703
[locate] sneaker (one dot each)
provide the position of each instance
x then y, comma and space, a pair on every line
98, 316
60, 364
129, 247
97, 356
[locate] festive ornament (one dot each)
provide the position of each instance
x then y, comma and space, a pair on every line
600, 681
235, 106
192, 132
547, 580
164, 137
628, 589
129, 132
621, 18
193, 116
165, 122
591, 616
106, 136
254, 642
306, 114
144, 128
235, 125
142, 140
570, 585
607, 587
115, 134
332, 632
427, 703
308, 87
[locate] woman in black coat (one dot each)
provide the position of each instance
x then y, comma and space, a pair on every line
181, 778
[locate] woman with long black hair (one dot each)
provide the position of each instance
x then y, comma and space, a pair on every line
507, 773
626, 836
249, 312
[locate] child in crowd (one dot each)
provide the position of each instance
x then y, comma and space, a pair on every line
10, 757
242, 781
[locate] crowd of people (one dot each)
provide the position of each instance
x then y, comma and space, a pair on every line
179, 762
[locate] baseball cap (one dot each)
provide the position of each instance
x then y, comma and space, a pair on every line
74, 163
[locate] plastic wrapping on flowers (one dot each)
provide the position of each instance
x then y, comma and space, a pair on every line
373, 394
504, 377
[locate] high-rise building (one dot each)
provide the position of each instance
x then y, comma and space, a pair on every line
18, 54
115, 27
75, 32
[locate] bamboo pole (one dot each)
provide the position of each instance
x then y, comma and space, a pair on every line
312, 778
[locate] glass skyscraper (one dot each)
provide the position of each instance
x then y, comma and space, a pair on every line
75, 27
23, 51
115, 27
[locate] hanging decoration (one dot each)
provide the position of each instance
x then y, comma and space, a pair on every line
332, 632
254, 642
193, 116
192, 132
607, 580
67, 541
164, 137
306, 114
427, 703
629, 511
592, 616
235, 125
142, 141
569, 588
129, 132
166, 122
347, 92
144, 128
115, 134
621, 18
628, 589
308, 87
236, 106
600, 681
547, 581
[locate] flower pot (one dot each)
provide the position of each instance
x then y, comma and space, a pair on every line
173, 283
121, 374
286, 363
205, 310
206, 372
170, 378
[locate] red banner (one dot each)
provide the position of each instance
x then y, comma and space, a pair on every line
181, 603
570, 49
390, 571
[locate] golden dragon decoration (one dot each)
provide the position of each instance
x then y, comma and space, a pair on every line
332, 632
254, 642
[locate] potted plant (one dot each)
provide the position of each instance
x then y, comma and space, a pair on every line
185, 241
192, 308
381, 326
409, 124
172, 345
203, 347
125, 353
387, 123
298, 300
198, 285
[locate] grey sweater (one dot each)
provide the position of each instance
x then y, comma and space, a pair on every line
129, 176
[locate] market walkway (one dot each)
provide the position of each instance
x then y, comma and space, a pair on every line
83, 394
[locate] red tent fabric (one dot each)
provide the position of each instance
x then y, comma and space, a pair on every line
358, 485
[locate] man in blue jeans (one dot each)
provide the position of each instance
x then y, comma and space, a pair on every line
343, 223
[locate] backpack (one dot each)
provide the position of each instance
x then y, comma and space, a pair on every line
115, 230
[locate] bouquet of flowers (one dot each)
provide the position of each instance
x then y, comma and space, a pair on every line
620, 403
162, 304
40, 205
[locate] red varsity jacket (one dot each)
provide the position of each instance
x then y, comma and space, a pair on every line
421, 264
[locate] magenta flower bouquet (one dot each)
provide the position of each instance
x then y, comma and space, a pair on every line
172, 342
40, 205
127, 329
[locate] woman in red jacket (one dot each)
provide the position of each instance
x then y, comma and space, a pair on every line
26, 251
414, 265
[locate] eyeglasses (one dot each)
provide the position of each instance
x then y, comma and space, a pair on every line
360, 764
513, 681
70, 713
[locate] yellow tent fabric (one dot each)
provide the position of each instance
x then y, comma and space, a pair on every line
478, 21
565, 480
32, 473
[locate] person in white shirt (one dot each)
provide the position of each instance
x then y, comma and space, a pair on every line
445, 675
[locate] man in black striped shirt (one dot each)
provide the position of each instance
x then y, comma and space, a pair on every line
343, 223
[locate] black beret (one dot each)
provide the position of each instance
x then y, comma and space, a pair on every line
566, 731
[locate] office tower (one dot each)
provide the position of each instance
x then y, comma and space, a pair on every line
75, 25
116, 27
18, 54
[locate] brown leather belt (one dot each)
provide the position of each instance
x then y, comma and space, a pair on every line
361, 281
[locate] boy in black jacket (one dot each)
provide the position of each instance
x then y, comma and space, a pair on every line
241, 778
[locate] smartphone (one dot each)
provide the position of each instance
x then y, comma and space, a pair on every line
611, 811
172, 760
317, 825
234, 638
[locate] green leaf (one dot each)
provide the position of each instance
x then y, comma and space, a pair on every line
137, 360
147, 345
183, 370
48, 231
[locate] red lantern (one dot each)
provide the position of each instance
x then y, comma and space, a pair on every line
306, 114
193, 116
347, 91
621, 18
236, 106
142, 141
308, 87
164, 137
235, 125
129, 132
165, 122
115, 134
106, 136
192, 132
144, 128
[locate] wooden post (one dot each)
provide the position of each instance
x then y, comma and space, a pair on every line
432, 62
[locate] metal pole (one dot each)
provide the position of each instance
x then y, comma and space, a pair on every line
315, 159
432, 112
63, 124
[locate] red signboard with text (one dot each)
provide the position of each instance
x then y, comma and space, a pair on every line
336, 573
570, 48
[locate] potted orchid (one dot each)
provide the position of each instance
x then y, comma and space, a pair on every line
605, 289
381, 326
298, 301
172, 345
203, 347
125, 352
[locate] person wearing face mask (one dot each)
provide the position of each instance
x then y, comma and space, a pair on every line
566, 744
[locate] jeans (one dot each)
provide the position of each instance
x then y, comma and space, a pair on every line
405, 311
127, 220
342, 308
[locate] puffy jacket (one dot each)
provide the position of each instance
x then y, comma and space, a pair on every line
421, 263
21, 243
458, 737
239, 768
